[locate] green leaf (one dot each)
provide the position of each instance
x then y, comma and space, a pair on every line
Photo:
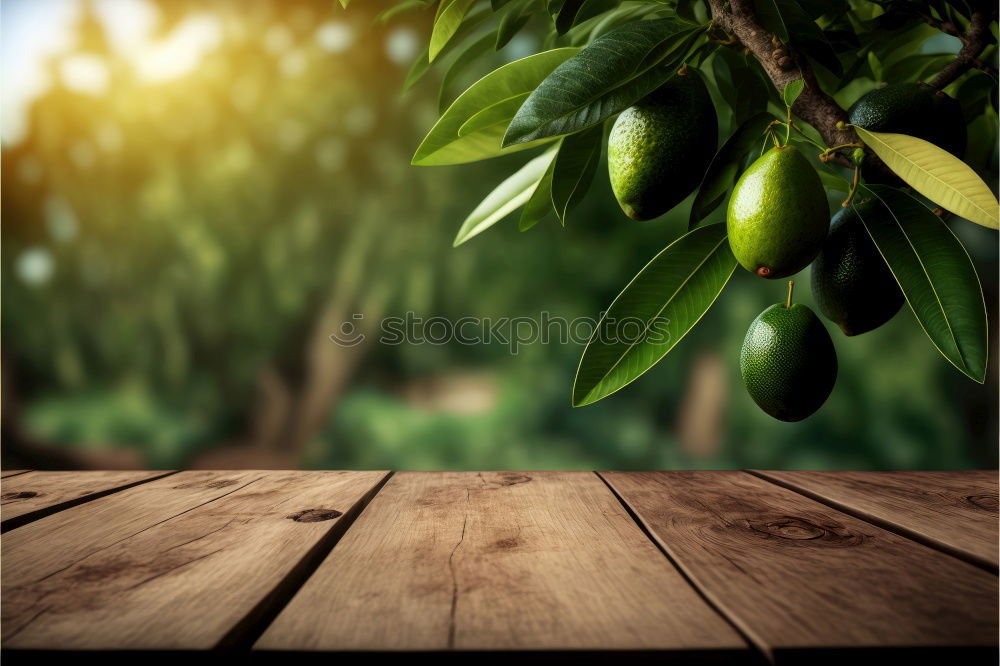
937, 174
770, 16
422, 64
575, 167
449, 18
390, 13
511, 23
540, 204
663, 302
739, 84
494, 114
567, 15
443, 145
792, 91
509, 195
936, 276
726, 167
344, 3
605, 78
461, 61
792, 24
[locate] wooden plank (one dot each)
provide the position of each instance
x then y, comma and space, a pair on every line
13, 472
802, 579
192, 561
952, 511
28, 497
498, 561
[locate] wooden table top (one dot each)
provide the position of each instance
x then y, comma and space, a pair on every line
727, 567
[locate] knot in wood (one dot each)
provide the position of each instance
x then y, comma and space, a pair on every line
314, 515
791, 528
513, 479
24, 494
985, 502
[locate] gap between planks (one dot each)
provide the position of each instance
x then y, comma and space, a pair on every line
241, 637
42, 512
757, 645
884, 523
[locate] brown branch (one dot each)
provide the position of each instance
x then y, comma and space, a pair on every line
783, 65
974, 40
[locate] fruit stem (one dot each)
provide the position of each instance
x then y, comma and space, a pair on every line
843, 145
854, 188
791, 285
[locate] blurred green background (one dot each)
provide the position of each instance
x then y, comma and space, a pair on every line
197, 194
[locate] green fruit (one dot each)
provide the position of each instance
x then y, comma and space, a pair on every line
659, 149
851, 282
915, 109
778, 214
788, 362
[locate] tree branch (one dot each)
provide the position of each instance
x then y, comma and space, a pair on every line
974, 40
783, 65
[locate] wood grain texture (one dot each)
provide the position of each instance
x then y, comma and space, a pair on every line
802, 579
33, 495
953, 511
173, 564
498, 561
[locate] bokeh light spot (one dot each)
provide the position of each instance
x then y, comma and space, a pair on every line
35, 266
85, 73
401, 45
334, 37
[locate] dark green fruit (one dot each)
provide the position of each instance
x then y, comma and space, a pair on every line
851, 282
659, 149
788, 362
778, 215
915, 109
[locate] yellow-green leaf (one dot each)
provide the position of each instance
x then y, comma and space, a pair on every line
508, 196
937, 174
449, 17
487, 106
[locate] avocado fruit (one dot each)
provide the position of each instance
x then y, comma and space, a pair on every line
788, 362
915, 109
778, 214
851, 283
660, 148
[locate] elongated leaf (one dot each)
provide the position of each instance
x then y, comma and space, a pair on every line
726, 167
501, 112
567, 15
511, 23
575, 167
935, 273
540, 204
468, 55
449, 17
422, 64
390, 13
508, 196
937, 174
740, 86
443, 145
605, 78
792, 24
651, 315
792, 91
